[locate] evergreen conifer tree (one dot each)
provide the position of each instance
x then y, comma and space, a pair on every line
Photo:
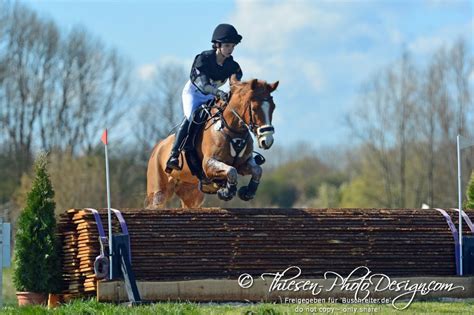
37, 264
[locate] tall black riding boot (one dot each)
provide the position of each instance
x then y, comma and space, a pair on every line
173, 161
197, 123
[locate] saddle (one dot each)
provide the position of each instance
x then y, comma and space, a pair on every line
200, 116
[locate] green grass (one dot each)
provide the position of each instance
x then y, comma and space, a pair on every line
9, 291
93, 307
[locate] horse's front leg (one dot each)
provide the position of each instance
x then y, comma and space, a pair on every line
250, 168
219, 170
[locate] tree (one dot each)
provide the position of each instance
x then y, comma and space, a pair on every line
407, 120
161, 110
38, 267
27, 62
56, 90
91, 92
328, 196
470, 193
277, 193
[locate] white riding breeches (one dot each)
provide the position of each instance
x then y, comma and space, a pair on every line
193, 98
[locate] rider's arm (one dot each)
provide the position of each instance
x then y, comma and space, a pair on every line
199, 75
202, 82
238, 72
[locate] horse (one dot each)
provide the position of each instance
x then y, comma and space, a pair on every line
224, 147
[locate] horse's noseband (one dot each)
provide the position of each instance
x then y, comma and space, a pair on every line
263, 129
266, 129
251, 126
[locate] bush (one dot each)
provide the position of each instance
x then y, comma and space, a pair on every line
277, 193
38, 268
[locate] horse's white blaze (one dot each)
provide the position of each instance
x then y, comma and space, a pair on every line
266, 112
265, 139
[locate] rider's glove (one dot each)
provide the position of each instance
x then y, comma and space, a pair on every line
223, 95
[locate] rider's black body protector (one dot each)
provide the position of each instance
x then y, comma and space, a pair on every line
208, 76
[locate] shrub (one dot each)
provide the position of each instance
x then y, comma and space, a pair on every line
37, 264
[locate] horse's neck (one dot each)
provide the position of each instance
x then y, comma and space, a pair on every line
232, 120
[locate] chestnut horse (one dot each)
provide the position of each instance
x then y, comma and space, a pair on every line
250, 109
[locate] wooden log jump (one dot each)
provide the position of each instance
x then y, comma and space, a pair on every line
193, 244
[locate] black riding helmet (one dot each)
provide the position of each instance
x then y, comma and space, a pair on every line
226, 33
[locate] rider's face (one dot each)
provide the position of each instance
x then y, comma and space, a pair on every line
226, 49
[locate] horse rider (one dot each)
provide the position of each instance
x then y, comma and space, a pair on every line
210, 70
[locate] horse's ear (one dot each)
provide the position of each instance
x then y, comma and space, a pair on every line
273, 86
233, 80
253, 84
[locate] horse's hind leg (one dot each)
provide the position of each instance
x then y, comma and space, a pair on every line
159, 198
156, 200
160, 186
190, 195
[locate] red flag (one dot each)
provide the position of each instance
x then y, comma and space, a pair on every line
104, 137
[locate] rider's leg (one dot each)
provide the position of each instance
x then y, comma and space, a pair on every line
173, 161
198, 119
188, 107
192, 99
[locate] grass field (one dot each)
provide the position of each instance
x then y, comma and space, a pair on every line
185, 308
8, 288
93, 307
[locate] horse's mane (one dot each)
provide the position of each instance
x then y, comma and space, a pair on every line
244, 88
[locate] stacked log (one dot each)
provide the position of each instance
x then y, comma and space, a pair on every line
80, 247
185, 244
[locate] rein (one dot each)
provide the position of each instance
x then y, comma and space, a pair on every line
220, 115
238, 144
250, 127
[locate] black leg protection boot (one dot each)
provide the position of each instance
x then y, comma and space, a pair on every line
173, 161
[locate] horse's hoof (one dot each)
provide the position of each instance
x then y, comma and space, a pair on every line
244, 193
225, 194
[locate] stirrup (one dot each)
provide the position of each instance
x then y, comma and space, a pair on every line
208, 187
175, 166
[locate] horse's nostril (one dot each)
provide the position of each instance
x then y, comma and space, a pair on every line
263, 143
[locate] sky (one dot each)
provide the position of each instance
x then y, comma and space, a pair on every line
320, 51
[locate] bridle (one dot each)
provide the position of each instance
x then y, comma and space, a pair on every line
251, 126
